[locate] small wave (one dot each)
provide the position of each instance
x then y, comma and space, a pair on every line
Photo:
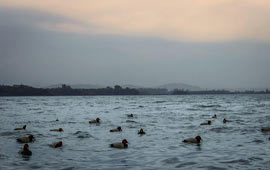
205, 106
239, 121
257, 141
39, 135
159, 101
212, 167
132, 102
240, 161
221, 110
2, 157
221, 129
248, 130
260, 105
172, 147
68, 168
72, 122
192, 109
185, 164
82, 135
7, 133
35, 167
131, 121
140, 106
255, 158
22, 103
133, 127
116, 108
171, 160
248, 113
78, 132
34, 109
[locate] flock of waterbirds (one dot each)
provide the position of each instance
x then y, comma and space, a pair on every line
124, 144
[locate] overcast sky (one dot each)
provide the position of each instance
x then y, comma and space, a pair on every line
211, 44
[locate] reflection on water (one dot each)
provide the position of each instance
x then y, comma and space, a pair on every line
167, 120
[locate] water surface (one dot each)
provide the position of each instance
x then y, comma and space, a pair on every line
167, 120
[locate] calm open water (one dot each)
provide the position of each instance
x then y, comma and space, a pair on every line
167, 120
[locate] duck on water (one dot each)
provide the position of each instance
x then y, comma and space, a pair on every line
23, 128
95, 121
26, 139
120, 145
209, 122
25, 150
265, 129
141, 131
130, 115
57, 130
118, 129
197, 139
56, 144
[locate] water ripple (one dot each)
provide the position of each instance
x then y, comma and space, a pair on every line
167, 121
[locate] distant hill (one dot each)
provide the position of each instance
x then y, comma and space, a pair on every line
78, 86
182, 86
131, 86
66, 90
169, 86
247, 89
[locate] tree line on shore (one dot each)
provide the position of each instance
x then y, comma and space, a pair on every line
65, 90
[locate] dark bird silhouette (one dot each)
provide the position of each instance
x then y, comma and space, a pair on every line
23, 128
25, 150
26, 139
57, 130
141, 132
95, 121
197, 139
120, 145
118, 129
57, 144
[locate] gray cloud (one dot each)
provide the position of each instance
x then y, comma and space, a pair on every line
31, 55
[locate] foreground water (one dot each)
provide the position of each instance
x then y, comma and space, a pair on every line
167, 120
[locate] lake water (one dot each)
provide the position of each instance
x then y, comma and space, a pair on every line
167, 120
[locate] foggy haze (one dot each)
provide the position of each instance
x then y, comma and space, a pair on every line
35, 56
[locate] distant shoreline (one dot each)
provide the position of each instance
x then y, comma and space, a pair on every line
65, 90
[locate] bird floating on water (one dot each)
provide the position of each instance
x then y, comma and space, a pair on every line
207, 123
23, 128
197, 139
120, 145
265, 129
141, 132
95, 121
57, 130
118, 129
130, 115
26, 139
57, 144
25, 150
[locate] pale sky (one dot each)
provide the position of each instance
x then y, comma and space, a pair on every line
208, 43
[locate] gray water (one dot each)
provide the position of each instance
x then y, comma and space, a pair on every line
167, 120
